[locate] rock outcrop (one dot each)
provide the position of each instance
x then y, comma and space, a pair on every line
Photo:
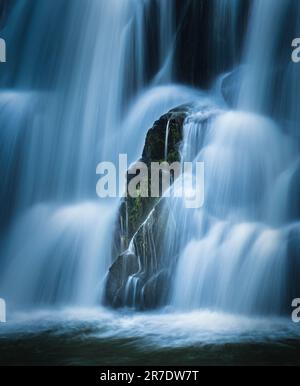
138, 275
134, 210
144, 259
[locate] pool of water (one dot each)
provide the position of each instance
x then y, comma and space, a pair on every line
101, 337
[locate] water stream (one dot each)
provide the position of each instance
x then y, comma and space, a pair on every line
95, 97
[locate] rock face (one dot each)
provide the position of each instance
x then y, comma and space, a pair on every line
138, 276
134, 211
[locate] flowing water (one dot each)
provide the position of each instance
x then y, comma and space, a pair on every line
238, 256
237, 247
98, 336
58, 136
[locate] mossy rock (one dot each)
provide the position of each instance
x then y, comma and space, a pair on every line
134, 210
143, 260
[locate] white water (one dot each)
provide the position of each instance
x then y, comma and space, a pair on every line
64, 255
232, 257
265, 30
58, 246
166, 329
233, 252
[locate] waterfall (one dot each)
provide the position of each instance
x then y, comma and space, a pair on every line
166, 46
224, 22
237, 253
57, 242
85, 82
231, 257
262, 51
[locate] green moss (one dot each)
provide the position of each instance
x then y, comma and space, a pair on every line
173, 156
135, 212
138, 208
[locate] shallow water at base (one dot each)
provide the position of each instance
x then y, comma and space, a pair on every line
101, 337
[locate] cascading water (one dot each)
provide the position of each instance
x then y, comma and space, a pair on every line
232, 258
239, 249
84, 82
57, 249
262, 51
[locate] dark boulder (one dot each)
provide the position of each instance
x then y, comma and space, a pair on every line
134, 210
144, 259
138, 276
125, 266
